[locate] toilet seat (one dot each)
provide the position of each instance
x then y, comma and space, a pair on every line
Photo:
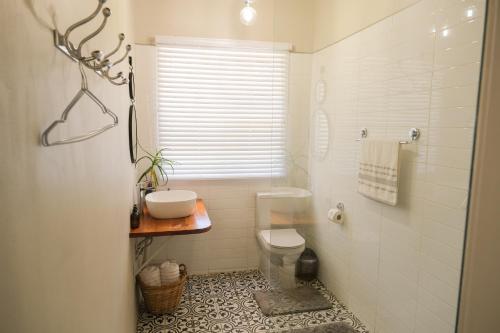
282, 238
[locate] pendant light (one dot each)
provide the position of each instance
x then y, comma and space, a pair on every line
248, 14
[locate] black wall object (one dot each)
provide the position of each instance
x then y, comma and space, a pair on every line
132, 115
132, 133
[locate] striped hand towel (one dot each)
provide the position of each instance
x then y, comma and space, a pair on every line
378, 171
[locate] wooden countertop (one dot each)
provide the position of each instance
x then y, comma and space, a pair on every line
197, 223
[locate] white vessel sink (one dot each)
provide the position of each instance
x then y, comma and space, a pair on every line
286, 199
171, 204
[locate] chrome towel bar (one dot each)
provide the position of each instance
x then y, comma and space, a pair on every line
413, 133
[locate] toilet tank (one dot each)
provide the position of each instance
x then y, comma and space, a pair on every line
284, 200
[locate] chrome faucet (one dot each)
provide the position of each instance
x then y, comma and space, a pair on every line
143, 189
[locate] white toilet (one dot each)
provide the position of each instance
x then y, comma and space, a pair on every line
280, 248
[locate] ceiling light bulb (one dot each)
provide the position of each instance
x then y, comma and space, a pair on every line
248, 14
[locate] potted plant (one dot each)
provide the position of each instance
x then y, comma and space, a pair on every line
155, 169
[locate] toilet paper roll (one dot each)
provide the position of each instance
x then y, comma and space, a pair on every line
336, 216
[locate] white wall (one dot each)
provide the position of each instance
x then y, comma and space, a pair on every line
334, 20
231, 244
398, 267
278, 20
308, 24
65, 253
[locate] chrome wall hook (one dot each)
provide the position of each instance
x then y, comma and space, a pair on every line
107, 13
65, 37
121, 38
96, 61
117, 79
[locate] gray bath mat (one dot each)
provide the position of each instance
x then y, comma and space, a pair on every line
286, 301
330, 328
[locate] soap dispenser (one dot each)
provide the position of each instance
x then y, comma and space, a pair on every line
135, 218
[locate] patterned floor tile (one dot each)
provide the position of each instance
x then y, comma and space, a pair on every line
223, 302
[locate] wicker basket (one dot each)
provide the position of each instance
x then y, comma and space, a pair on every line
164, 299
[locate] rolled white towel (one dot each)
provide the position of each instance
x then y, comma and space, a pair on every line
151, 276
169, 272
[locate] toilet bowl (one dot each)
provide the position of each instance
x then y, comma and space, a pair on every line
281, 248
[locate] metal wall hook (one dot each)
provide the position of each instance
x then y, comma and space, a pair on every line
80, 23
121, 38
107, 13
117, 79
96, 60
128, 48
119, 83
117, 76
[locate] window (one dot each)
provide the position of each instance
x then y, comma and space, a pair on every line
222, 107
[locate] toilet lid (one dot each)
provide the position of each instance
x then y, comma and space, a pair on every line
283, 238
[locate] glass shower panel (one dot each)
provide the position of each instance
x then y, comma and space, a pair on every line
288, 206
395, 268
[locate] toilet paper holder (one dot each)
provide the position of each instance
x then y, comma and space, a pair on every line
337, 215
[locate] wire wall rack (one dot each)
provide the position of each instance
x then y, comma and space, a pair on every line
100, 62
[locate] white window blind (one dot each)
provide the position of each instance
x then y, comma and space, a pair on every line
222, 108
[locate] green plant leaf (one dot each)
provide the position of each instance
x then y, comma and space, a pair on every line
154, 177
143, 157
170, 163
144, 174
158, 161
162, 173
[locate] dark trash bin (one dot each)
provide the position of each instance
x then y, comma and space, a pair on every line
307, 266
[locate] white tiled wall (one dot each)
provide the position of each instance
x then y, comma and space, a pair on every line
231, 244
398, 267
